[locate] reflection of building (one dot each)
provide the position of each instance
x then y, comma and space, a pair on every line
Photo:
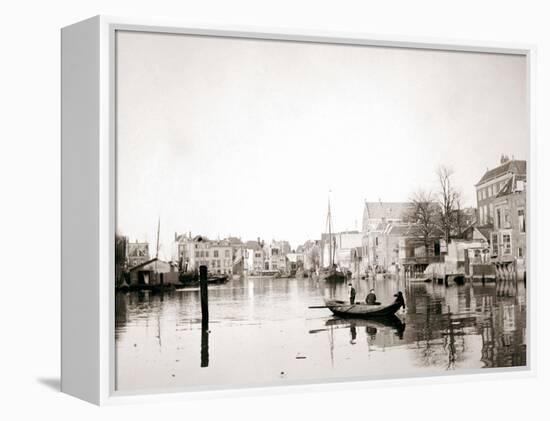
138, 253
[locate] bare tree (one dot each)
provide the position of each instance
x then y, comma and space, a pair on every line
423, 216
448, 201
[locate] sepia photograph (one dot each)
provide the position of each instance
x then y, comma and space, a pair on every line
292, 212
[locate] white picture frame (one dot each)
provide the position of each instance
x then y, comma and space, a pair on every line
88, 200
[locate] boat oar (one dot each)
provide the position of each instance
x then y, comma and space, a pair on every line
317, 307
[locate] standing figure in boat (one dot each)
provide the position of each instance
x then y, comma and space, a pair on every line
399, 299
351, 294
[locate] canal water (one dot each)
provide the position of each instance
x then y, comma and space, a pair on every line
262, 332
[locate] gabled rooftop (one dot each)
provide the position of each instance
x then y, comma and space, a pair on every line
386, 210
513, 166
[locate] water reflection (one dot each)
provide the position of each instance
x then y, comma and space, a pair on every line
261, 328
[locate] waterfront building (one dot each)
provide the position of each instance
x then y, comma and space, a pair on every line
477, 233
121, 257
193, 252
275, 256
492, 184
376, 218
153, 272
509, 236
501, 199
138, 253
343, 245
254, 256
311, 251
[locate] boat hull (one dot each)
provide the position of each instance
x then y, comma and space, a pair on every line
343, 309
333, 276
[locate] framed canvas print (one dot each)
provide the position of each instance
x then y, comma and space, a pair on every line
245, 208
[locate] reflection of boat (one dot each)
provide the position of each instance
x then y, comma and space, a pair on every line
389, 321
344, 309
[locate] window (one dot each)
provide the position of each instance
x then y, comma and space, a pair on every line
437, 248
257, 255
490, 191
479, 195
206, 253
482, 215
196, 254
520, 252
491, 213
506, 244
499, 223
216, 252
483, 194
376, 240
202, 253
494, 244
521, 220
226, 253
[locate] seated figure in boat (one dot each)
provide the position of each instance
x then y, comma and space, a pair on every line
371, 298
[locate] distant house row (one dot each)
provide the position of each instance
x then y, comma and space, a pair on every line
493, 234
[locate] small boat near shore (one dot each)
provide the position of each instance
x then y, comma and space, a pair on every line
423, 279
192, 281
333, 275
361, 310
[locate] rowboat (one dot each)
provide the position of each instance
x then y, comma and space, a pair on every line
192, 279
361, 310
333, 275
424, 279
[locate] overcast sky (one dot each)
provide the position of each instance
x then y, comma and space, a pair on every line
222, 136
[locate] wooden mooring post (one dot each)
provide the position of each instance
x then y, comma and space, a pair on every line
203, 279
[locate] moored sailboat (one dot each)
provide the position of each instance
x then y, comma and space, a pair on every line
332, 273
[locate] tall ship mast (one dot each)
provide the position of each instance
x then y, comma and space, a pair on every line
332, 273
